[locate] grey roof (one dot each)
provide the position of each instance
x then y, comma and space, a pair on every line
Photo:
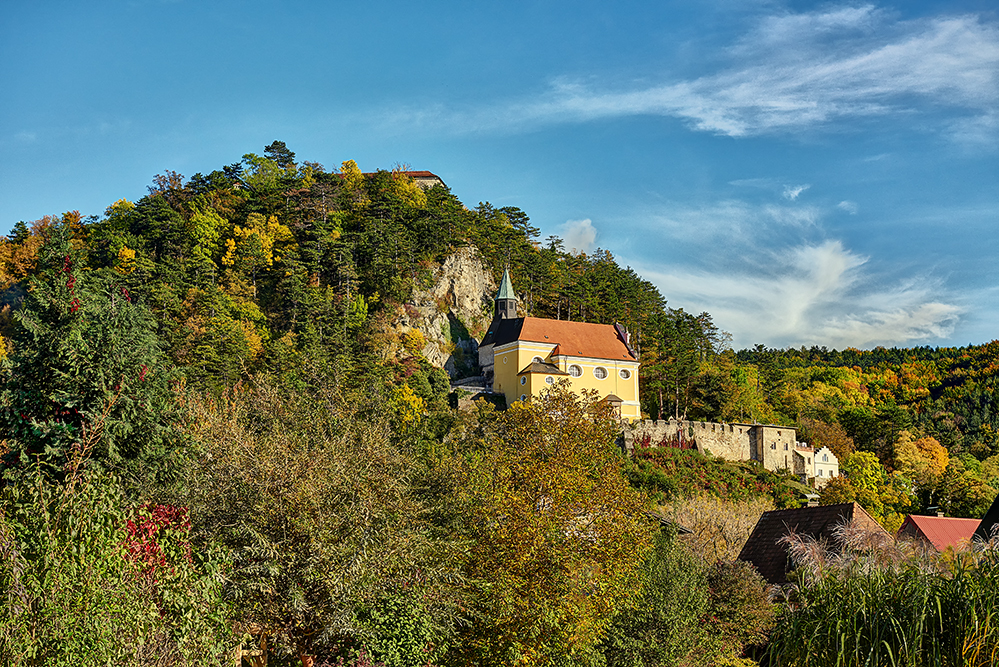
542, 367
506, 287
502, 331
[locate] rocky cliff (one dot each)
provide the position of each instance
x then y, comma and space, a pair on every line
452, 313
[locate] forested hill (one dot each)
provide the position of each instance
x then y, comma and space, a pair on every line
270, 257
271, 264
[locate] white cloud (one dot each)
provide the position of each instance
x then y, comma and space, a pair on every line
767, 275
848, 206
796, 71
578, 235
810, 294
791, 192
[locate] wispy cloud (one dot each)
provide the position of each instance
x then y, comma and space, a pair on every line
811, 294
848, 206
769, 286
792, 192
792, 72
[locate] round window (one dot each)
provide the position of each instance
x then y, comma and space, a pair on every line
523, 380
625, 374
600, 373
575, 371
523, 397
550, 380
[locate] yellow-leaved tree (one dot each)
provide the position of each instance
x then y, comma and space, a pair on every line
555, 534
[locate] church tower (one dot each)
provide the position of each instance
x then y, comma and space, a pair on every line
506, 300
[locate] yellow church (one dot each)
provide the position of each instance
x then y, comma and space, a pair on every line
520, 356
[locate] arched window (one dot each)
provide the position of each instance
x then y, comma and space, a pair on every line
600, 373
538, 360
625, 374
575, 371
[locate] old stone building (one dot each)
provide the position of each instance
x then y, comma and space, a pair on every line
774, 447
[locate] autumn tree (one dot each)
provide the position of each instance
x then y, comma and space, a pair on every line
555, 533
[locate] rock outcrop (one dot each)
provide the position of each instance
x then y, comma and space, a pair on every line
453, 313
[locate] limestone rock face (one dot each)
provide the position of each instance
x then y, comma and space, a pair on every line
453, 313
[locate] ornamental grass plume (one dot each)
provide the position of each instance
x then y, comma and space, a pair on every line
863, 599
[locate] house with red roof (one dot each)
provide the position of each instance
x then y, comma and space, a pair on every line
940, 531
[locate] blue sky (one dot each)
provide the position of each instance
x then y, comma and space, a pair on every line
808, 173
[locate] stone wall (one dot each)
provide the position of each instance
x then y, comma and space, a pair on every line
735, 442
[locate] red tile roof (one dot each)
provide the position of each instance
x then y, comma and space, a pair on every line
940, 531
576, 339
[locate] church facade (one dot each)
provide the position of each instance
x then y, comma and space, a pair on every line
521, 356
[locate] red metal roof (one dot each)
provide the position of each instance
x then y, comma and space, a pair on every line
940, 531
576, 339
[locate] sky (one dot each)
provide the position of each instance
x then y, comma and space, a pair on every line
807, 173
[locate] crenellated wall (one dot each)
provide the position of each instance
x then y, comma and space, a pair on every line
768, 444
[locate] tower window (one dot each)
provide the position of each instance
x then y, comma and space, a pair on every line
523, 397
523, 380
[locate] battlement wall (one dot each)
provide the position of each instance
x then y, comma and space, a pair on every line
735, 442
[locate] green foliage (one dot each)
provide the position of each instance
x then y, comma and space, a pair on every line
662, 625
672, 473
85, 352
555, 536
905, 614
319, 512
82, 588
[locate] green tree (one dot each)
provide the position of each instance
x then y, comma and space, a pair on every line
85, 352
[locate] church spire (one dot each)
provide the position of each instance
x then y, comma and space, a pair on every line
506, 300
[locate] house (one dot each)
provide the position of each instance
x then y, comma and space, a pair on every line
521, 356
988, 528
769, 555
424, 179
940, 531
826, 467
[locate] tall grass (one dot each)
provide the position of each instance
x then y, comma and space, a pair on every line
888, 604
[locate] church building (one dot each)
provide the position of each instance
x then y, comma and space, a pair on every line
521, 356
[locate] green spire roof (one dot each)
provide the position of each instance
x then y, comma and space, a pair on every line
506, 288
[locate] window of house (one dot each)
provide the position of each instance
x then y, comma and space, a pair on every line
600, 372
773, 445
505, 360
785, 446
549, 380
825, 457
538, 360
523, 397
625, 374
820, 472
575, 371
523, 380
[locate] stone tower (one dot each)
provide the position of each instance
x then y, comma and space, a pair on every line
506, 300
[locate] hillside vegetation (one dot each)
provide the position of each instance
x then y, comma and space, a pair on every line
216, 432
